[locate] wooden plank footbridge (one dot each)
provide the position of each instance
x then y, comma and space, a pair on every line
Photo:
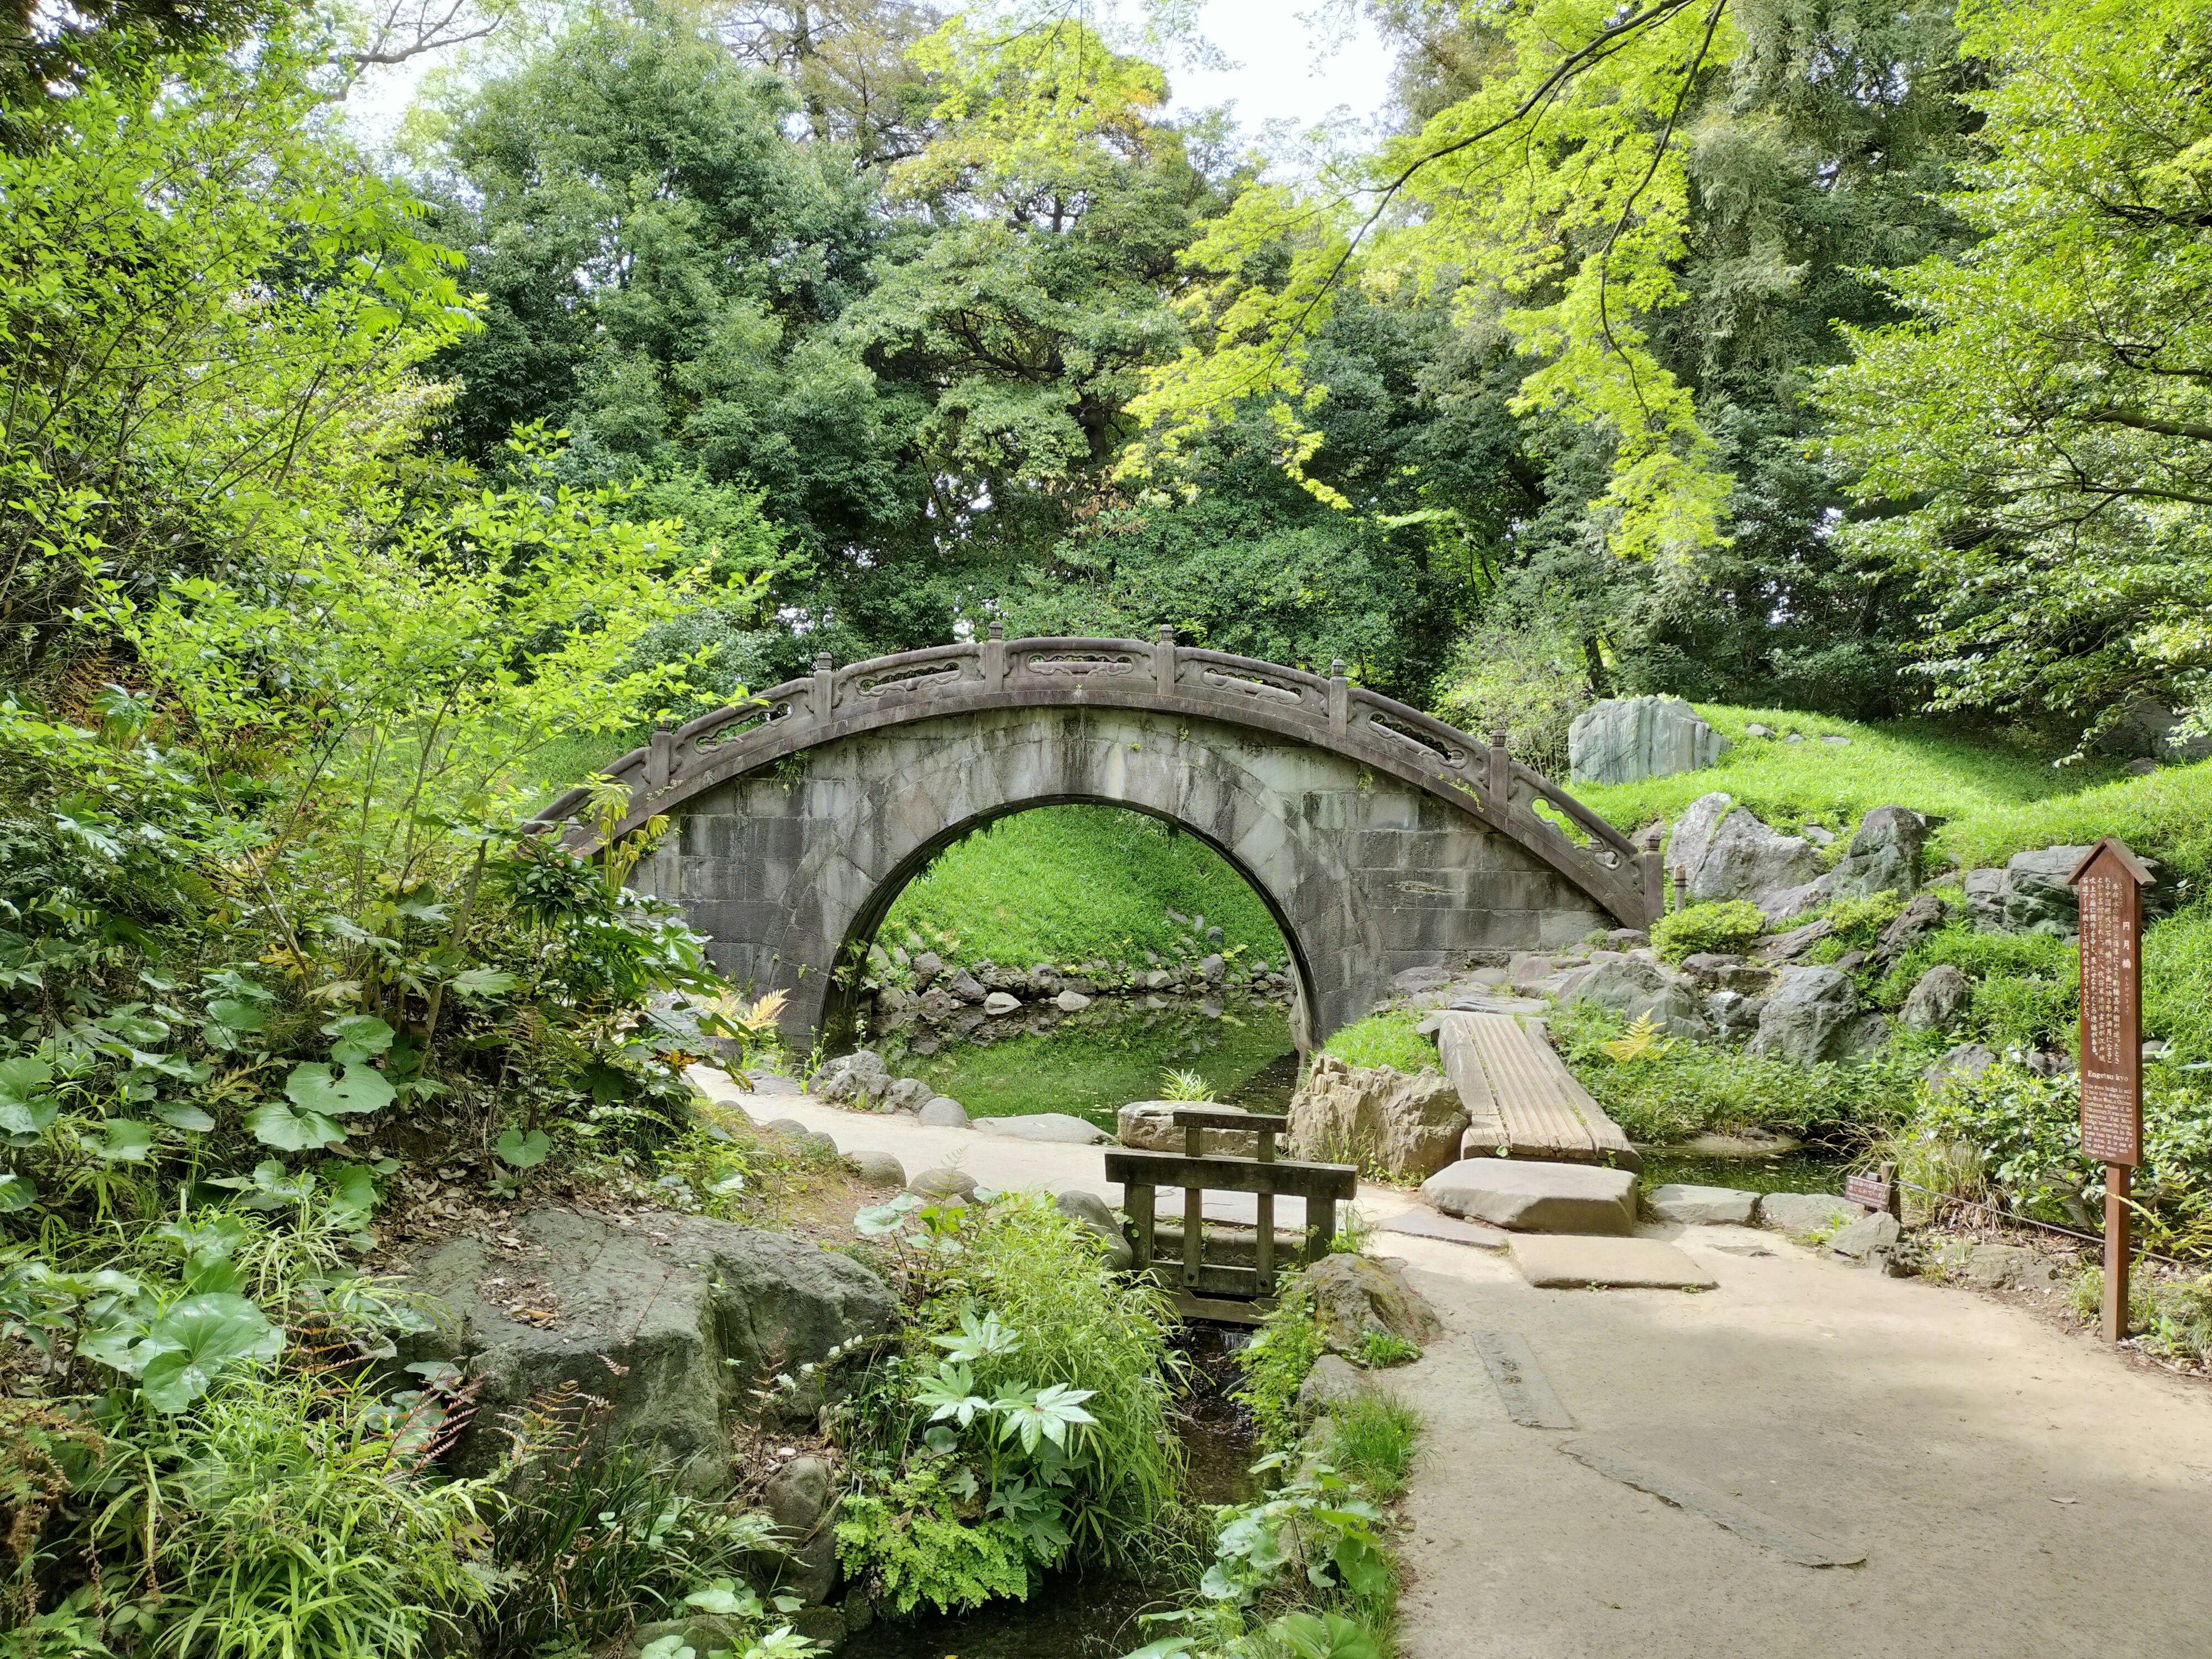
1224, 1289
1521, 1098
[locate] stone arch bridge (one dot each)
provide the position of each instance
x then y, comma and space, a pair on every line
1379, 838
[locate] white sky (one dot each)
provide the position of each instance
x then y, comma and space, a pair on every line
1285, 68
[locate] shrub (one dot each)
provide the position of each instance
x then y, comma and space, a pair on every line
1674, 1088
1385, 1039
2026, 985
1276, 1362
2177, 983
1730, 926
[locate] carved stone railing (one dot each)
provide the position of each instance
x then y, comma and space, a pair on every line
996, 672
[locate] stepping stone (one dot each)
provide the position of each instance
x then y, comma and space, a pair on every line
1702, 1206
1806, 1212
942, 1183
880, 1168
775, 1083
1536, 1198
943, 1112
1555, 1263
1057, 1127
1427, 1223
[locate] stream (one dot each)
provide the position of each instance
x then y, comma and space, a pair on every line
1095, 1615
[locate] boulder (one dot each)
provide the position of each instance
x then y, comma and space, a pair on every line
696, 1632
1922, 917
1211, 968
815, 1144
927, 967
1354, 1295
1745, 859
1884, 856
1965, 1059
1071, 1002
943, 1112
1412, 981
995, 978
966, 988
1936, 1000
907, 1094
1877, 1232
1334, 1380
1694, 833
938, 1005
1806, 1212
1808, 1016
1150, 1126
1702, 1206
1623, 740
1001, 1003
1634, 988
1056, 1127
2008, 1267
1536, 1197
674, 1324
1733, 1016
2038, 897
1787, 947
877, 1168
1376, 1116
1090, 1210
1715, 972
1044, 980
802, 1497
859, 1080
942, 1182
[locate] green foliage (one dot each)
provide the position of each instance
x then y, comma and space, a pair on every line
2177, 983
1677, 1088
1371, 1439
2052, 476
1730, 926
2020, 1138
1075, 885
2027, 987
1378, 1349
1383, 1039
1276, 1362
914, 1544
1184, 1085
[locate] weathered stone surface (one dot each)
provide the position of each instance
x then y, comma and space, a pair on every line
1071, 1002
1716, 972
802, 1497
859, 1080
674, 1325
907, 1094
1808, 1016
1884, 856
1694, 833
816, 1144
1936, 1000
1861, 1239
1551, 1262
1787, 947
1061, 1128
880, 1168
944, 1182
1922, 917
1633, 989
1745, 859
1377, 1117
1625, 738
1427, 1223
966, 988
1090, 1210
1537, 1198
782, 868
1353, 1295
1965, 1059
943, 1112
2008, 1267
702, 1633
1702, 1206
1211, 968
1733, 1016
1000, 1003
1806, 1212
1334, 1380
1149, 1125
1414, 980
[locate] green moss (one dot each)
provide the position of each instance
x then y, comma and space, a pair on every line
1385, 1039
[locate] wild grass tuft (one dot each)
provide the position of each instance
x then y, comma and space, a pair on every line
1385, 1039
1372, 1440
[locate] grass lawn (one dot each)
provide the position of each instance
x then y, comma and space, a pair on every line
1074, 883
1993, 797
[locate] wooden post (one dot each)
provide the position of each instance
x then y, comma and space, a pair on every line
1263, 1205
2108, 886
1320, 1227
1194, 1231
1137, 1202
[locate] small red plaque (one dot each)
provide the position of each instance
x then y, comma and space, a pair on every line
1870, 1190
2108, 884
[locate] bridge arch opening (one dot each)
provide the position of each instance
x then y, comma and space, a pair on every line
1164, 867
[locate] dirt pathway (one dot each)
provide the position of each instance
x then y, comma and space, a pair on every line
2017, 1491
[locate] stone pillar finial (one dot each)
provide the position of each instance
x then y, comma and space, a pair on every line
821, 660
1336, 669
998, 630
1167, 634
1339, 701
1497, 740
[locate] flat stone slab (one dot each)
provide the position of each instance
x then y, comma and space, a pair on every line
1806, 1212
1702, 1206
1555, 1263
1058, 1126
1791, 1543
1534, 1197
1521, 1381
1427, 1223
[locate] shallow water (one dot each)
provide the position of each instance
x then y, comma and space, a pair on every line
1808, 1169
1097, 1616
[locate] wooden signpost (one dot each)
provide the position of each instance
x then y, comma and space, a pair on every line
2108, 884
